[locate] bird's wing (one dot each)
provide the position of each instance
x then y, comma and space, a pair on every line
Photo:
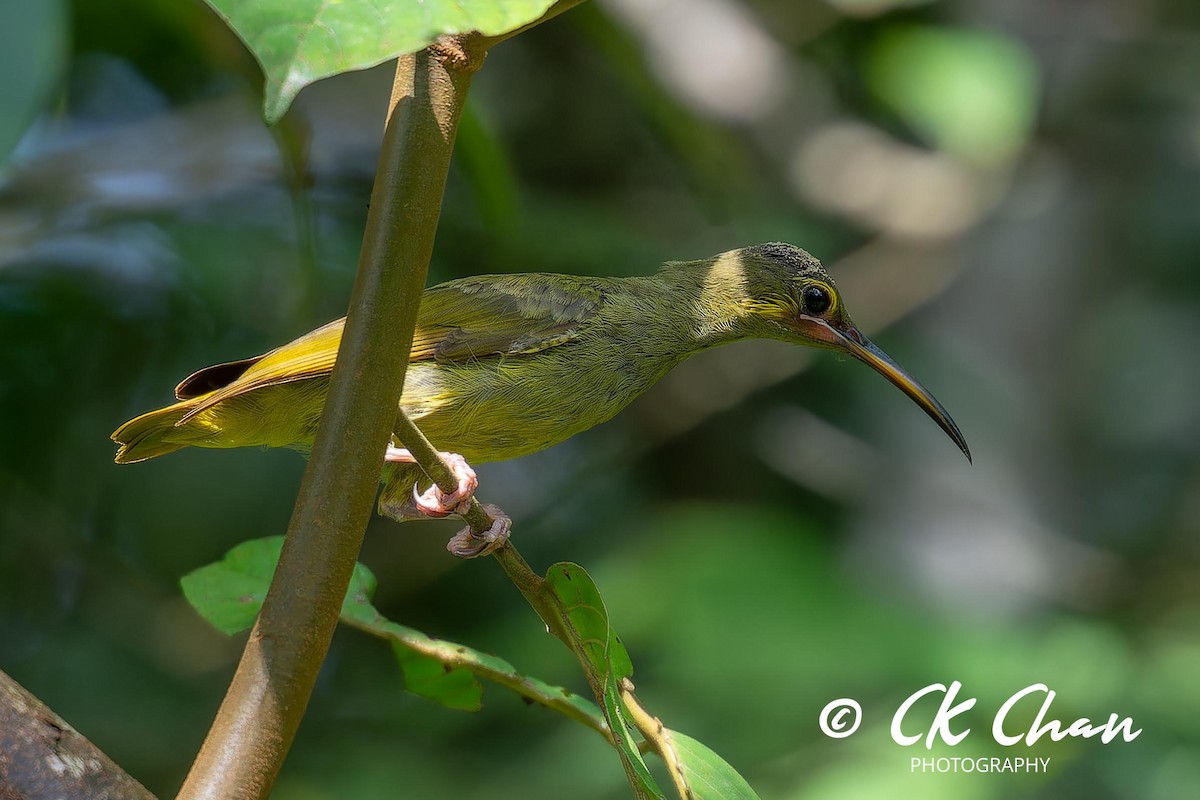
458, 321
311, 355
503, 315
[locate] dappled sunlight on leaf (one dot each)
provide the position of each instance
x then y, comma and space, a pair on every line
300, 42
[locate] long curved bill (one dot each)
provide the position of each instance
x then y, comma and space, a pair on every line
853, 342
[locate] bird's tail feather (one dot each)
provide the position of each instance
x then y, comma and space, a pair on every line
152, 434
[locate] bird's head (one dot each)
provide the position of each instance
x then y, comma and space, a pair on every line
788, 295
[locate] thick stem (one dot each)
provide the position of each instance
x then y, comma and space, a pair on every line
258, 719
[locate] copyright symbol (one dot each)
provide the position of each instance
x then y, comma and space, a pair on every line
834, 723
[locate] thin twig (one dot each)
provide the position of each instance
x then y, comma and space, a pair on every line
431, 461
454, 656
532, 586
658, 739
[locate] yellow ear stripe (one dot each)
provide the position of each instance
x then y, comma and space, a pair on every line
778, 307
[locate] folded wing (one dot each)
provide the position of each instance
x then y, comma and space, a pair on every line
458, 321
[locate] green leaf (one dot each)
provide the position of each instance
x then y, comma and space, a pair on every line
708, 775
971, 93
425, 675
584, 612
453, 687
445, 671
33, 48
298, 42
230, 592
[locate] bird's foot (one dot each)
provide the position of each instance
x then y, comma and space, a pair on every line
433, 502
469, 544
402, 500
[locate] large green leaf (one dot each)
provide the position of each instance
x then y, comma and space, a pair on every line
230, 592
708, 775
33, 49
581, 602
607, 659
298, 42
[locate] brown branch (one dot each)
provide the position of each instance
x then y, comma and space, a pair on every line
42, 757
258, 719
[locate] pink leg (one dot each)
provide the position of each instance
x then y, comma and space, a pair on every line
433, 502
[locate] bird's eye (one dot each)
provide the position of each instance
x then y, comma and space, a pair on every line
816, 300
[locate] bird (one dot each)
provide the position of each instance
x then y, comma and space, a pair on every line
505, 365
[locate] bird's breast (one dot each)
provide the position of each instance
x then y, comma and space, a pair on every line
502, 407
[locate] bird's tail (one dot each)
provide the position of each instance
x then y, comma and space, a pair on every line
152, 434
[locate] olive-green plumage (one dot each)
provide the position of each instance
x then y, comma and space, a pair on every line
506, 365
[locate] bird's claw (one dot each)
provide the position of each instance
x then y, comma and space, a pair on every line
433, 502
469, 544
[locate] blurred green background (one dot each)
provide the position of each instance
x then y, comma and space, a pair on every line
1009, 195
